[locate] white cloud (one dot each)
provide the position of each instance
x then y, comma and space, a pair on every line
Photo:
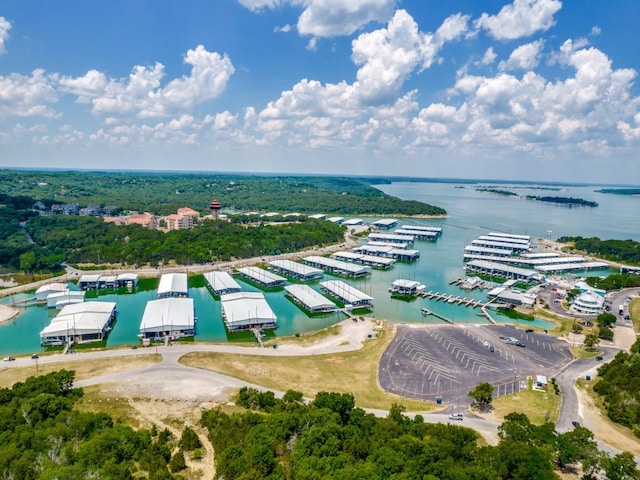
521, 18
387, 56
329, 18
525, 57
141, 93
224, 120
489, 57
256, 5
28, 96
5, 26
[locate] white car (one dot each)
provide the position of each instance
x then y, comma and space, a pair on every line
455, 416
8, 359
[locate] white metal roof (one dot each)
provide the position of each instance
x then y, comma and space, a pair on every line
353, 221
296, 267
309, 297
422, 228
318, 216
510, 235
173, 283
44, 291
170, 314
89, 279
80, 319
391, 237
125, 277
220, 281
385, 222
261, 275
493, 238
345, 291
335, 219
404, 283
337, 264
246, 308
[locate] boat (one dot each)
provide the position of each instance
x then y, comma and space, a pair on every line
425, 311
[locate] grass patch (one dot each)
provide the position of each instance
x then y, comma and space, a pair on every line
84, 369
514, 314
95, 400
353, 372
583, 352
534, 404
634, 313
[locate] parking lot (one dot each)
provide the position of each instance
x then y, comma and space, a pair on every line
447, 361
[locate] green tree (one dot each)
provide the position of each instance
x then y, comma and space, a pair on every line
27, 261
482, 394
591, 340
177, 462
189, 440
621, 467
606, 319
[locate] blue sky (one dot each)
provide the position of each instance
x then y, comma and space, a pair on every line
538, 90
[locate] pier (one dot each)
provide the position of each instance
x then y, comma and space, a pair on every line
426, 312
258, 334
464, 301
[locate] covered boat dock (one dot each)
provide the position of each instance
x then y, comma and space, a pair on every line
173, 285
347, 294
247, 310
169, 317
309, 299
263, 277
371, 260
221, 283
337, 266
80, 323
297, 270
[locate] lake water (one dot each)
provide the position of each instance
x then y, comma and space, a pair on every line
471, 214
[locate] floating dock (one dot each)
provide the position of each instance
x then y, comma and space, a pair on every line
467, 302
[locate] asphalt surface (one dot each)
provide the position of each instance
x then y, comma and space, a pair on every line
448, 361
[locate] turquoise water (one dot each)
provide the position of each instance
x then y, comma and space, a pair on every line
471, 213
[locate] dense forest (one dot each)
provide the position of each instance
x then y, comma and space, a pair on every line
330, 438
619, 383
626, 251
614, 282
163, 193
43, 437
91, 240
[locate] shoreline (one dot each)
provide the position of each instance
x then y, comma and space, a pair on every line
8, 313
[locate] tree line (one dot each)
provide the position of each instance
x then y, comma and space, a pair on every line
91, 240
330, 437
619, 384
626, 251
164, 193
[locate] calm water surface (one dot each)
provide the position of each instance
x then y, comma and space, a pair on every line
471, 213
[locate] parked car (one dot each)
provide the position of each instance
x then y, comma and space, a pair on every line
529, 330
520, 344
8, 359
35, 355
599, 357
455, 416
575, 424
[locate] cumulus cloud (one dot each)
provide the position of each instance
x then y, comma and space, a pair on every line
256, 5
28, 96
329, 18
387, 56
141, 93
521, 18
5, 26
489, 57
525, 57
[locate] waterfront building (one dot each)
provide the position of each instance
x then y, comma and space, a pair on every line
388, 251
337, 266
60, 299
309, 299
168, 318
423, 228
127, 280
221, 283
80, 323
498, 269
318, 216
572, 267
419, 234
588, 303
352, 222
347, 294
508, 296
337, 220
90, 282
263, 277
247, 310
406, 287
391, 238
372, 260
515, 247
297, 270
50, 288
173, 285
384, 223
510, 236
629, 269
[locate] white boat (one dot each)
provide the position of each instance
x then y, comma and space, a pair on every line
425, 311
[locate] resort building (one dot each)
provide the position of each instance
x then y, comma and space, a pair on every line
296, 270
588, 303
263, 277
178, 222
189, 212
336, 266
221, 283
309, 299
145, 219
173, 285
507, 296
168, 318
247, 310
80, 323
